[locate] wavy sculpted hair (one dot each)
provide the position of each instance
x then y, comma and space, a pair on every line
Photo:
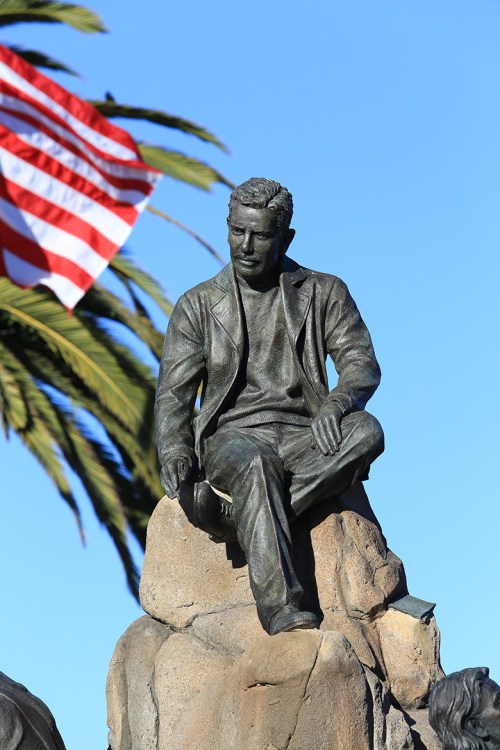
259, 192
454, 700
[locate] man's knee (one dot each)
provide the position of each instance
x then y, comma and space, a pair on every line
261, 460
368, 432
239, 459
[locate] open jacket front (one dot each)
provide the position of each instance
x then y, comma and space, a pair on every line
205, 344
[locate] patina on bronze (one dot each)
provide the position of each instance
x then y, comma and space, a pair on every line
464, 710
269, 432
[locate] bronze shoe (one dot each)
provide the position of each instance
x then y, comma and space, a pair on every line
291, 618
209, 512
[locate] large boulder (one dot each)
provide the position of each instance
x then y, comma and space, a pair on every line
305, 690
199, 672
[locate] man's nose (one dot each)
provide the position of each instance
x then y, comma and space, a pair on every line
247, 243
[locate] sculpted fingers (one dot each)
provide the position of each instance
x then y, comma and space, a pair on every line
173, 473
334, 432
320, 436
168, 480
331, 436
326, 430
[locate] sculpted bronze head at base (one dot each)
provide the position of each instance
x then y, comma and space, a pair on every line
464, 710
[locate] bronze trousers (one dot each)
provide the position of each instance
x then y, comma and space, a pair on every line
273, 474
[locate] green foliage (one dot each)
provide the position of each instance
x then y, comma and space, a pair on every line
77, 395
40, 60
58, 373
46, 11
181, 167
112, 109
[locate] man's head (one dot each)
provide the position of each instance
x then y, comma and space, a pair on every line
260, 212
464, 711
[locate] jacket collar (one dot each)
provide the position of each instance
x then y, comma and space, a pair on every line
291, 273
227, 308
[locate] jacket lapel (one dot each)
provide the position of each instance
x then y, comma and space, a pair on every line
296, 301
228, 314
226, 310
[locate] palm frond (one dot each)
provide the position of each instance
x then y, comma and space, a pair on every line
189, 231
98, 473
40, 433
41, 60
137, 451
181, 167
47, 11
53, 427
124, 268
13, 405
113, 109
102, 303
77, 345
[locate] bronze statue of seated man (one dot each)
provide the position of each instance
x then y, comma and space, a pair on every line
268, 431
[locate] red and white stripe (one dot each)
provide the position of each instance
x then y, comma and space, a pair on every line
72, 184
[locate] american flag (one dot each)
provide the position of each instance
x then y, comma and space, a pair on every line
72, 184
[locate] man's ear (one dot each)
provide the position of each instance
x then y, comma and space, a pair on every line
475, 727
287, 240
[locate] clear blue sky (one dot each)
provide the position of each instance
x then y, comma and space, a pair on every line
383, 119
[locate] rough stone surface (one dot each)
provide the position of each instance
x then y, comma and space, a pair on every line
424, 736
130, 689
25, 721
296, 691
410, 649
184, 573
390, 726
203, 674
299, 691
358, 575
183, 668
235, 630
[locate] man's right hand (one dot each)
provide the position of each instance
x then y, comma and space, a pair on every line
174, 472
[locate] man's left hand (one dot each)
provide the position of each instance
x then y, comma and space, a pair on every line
326, 428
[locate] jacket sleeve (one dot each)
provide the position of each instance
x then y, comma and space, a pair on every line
181, 371
350, 347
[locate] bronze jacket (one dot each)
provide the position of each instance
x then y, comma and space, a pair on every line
204, 345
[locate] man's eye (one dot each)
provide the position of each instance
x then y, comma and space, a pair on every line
236, 230
262, 236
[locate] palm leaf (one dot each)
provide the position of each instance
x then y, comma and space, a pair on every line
13, 405
46, 11
126, 270
189, 231
181, 167
98, 472
77, 346
41, 60
100, 302
40, 433
113, 109
92, 462
137, 451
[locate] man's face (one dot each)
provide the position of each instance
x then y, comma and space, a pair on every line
490, 714
257, 246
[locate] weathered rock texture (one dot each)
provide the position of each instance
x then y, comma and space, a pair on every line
202, 674
25, 721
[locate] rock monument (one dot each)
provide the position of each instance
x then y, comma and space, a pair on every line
271, 467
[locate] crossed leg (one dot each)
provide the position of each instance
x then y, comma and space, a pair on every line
273, 474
